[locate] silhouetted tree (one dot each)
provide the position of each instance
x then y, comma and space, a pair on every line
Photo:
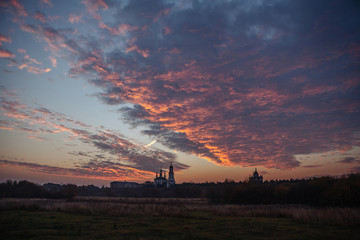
69, 191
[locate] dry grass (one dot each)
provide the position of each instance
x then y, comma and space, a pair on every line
185, 208
306, 214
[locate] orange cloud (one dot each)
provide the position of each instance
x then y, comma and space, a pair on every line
37, 70
27, 64
6, 128
37, 138
144, 53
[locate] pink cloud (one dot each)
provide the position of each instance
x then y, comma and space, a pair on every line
32, 60
174, 51
93, 6
33, 69
14, 7
47, 2
263, 97
53, 35
4, 39
74, 18
37, 70
20, 50
6, 54
54, 18
160, 14
40, 16
53, 61
28, 61
121, 29
167, 30
29, 28
313, 90
38, 138
20, 10
144, 53
56, 40
6, 128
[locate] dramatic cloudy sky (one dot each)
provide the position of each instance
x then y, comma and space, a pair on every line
100, 90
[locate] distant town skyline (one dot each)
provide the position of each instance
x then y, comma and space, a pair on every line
96, 91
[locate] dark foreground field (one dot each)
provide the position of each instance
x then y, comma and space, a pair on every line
170, 219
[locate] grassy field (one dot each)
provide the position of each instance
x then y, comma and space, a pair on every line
108, 219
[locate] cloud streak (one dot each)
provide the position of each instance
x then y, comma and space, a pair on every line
100, 170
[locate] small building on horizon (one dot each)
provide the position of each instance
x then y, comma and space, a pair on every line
123, 184
256, 178
161, 181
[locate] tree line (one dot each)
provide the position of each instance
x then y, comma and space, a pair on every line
320, 191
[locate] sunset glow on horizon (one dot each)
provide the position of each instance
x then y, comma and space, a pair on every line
96, 91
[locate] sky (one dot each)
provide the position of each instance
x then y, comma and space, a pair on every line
95, 91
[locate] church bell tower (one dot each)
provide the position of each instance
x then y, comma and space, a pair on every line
171, 179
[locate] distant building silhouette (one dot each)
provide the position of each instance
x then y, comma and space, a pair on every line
124, 184
256, 178
161, 181
52, 187
171, 180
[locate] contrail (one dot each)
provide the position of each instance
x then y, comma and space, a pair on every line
151, 143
